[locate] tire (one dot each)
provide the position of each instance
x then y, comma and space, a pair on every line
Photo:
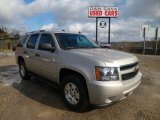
23, 71
75, 93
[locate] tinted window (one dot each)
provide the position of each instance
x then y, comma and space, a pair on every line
46, 39
22, 40
74, 41
32, 41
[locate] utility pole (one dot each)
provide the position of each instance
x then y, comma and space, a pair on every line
96, 29
144, 36
109, 30
156, 41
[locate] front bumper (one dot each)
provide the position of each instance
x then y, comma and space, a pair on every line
106, 92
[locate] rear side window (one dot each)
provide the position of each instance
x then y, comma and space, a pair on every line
32, 41
46, 39
22, 40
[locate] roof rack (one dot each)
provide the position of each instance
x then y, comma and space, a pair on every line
35, 31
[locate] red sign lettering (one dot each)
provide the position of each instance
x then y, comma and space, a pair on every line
103, 11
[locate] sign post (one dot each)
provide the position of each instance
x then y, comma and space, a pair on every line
148, 31
156, 40
109, 31
144, 44
96, 30
103, 12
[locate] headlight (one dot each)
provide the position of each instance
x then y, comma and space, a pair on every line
106, 73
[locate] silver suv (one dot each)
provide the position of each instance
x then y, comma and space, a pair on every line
86, 73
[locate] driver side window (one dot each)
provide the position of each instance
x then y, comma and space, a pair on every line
46, 39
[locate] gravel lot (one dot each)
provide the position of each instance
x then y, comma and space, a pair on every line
34, 100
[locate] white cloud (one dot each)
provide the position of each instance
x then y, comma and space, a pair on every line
83, 27
51, 26
143, 8
72, 15
123, 29
13, 10
9, 12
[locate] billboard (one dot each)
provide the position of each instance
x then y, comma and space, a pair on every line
103, 11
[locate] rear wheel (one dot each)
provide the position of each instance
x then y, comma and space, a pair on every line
23, 71
74, 93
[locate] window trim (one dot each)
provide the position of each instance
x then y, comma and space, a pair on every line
20, 42
36, 41
40, 39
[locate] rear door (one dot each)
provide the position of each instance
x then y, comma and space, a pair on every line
20, 45
30, 53
47, 60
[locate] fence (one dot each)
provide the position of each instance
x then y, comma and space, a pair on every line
137, 47
6, 44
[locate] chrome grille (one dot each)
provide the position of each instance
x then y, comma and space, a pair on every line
129, 66
129, 71
129, 75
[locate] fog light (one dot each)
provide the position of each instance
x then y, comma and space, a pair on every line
108, 101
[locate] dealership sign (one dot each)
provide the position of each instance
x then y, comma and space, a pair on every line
105, 11
102, 24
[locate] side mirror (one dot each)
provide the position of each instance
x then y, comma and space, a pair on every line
46, 47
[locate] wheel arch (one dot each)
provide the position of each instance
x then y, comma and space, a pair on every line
66, 71
20, 58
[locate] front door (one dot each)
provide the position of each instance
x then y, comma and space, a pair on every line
47, 60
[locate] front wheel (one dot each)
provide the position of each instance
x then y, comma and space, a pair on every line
74, 93
23, 71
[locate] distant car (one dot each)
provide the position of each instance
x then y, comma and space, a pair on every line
104, 45
86, 73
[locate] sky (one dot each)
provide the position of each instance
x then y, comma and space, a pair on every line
72, 15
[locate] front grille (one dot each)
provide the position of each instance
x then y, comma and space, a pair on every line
128, 76
126, 67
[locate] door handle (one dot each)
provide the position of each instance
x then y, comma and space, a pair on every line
37, 55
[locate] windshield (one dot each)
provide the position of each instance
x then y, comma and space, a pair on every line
74, 41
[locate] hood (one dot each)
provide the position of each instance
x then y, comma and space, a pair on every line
106, 55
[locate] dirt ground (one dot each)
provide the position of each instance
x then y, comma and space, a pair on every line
34, 100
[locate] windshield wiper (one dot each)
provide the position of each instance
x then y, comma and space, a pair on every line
90, 47
67, 48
